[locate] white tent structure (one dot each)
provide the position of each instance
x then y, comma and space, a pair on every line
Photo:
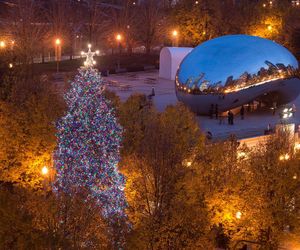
169, 61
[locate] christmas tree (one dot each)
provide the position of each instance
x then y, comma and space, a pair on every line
89, 139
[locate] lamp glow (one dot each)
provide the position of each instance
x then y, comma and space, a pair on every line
2, 44
119, 37
45, 170
238, 215
57, 41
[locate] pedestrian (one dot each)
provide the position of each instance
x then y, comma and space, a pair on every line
269, 129
209, 135
153, 91
229, 117
211, 111
242, 112
217, 111
232, 117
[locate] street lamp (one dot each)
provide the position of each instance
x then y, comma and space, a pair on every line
119, 39
238, 215
175, 38
296, 3
2, 44
241, 155
287, 113
57, 53
45, 170
284, 157
270, 28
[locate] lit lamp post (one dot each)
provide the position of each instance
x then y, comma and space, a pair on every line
238, 215
270, 28
57, 53
119, 39
45, 171
2, 44
286, 114
284, 157
175, 38
46, 174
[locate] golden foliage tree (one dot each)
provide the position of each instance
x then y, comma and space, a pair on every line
27, 131
154, 169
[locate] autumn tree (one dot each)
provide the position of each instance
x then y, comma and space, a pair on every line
150, 23
135, 114
28, 131
197, 22
250, 194
124, 21
275, 190
34, 220
23, 32
153, 169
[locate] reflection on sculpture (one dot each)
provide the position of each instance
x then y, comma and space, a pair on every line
270, 73
234, 70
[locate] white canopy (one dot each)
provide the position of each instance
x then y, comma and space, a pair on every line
169, 61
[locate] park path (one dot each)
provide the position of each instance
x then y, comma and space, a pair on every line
254, 123
126, 84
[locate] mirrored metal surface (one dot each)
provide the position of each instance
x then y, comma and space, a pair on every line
232, 63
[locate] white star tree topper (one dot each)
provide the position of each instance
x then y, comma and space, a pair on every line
89, 61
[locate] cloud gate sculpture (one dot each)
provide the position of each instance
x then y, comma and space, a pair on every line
234, 70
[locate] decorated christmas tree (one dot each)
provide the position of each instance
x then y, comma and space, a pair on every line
89, 139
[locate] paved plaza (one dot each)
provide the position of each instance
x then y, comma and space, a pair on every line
254, 123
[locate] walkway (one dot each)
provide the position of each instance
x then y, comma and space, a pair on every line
254, 123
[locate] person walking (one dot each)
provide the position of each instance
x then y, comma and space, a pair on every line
232, 117
242, 112
153, 92
209, 135
229, 117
